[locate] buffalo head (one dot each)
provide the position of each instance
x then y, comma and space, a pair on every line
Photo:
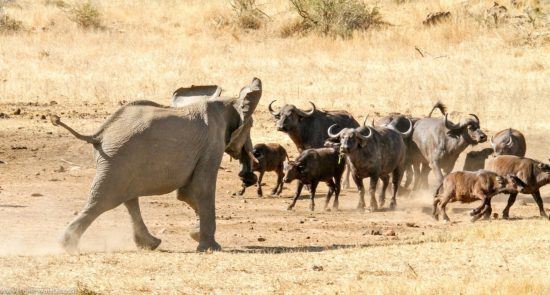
504, 144
350, 138
293, 170
509, 184
469, 128
289, 117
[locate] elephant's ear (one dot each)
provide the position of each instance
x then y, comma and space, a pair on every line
249, 97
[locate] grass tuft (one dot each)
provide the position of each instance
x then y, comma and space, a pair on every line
86, 15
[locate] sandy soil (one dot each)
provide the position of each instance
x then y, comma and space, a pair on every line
46, 174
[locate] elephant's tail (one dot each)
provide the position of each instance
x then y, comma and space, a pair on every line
56, 121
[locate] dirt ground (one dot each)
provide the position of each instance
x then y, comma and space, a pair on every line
46, 174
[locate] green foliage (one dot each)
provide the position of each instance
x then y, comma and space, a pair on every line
86, 15
248, 14
336, 17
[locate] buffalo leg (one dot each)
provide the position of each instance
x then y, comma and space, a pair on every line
372, 191
511, 200
443, 207
296, 195
382, 197
259, 191
437, 171
331, 190
142, 237
397, 175
486, 211
279, 188
312, 190
361, 188
409, 176
538, 200
435, 211
337, 187
346, 178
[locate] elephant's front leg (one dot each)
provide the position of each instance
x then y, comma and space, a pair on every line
202, 195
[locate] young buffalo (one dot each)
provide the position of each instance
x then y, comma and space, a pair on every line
468, 187
312, 167
271, 157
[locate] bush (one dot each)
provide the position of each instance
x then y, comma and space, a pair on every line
248, 14
86, 15
9, 24
336, 17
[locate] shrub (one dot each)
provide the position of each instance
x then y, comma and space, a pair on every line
86, 15
248, 14
7, 23
336, 17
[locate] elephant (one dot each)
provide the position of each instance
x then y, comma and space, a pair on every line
145, 149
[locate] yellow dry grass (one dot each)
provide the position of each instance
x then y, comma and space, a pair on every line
496, 258
149, 48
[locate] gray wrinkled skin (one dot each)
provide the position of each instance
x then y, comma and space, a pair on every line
146, 149
438, 144
509, 142
375, 153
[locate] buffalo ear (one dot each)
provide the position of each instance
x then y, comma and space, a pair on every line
249, 97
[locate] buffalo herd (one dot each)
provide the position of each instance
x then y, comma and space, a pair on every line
145, 148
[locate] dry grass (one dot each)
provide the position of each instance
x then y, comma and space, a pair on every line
499, 72
479, 68
496, 258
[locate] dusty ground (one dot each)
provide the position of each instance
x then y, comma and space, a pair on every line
45, 179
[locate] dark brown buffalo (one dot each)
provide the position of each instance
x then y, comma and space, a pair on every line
270, 157
467, 187
439, 142
509, 142
532, 172
313, 166
308, 129
375, 153
475, 160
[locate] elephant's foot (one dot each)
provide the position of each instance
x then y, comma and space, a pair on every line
147, 242
69, 243
208, 246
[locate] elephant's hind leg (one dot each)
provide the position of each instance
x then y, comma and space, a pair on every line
142, 237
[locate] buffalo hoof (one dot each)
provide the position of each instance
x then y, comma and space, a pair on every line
393, 205
435, 217
289, 208
381, 202
211, 246
505, 216
311, 208
473, 212
373, 208
148, 243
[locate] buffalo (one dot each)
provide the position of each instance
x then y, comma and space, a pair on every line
313, 166
533, 173
467, 187
439, 142
475, 160
509, 142
375, 153
270, 157
308, 129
